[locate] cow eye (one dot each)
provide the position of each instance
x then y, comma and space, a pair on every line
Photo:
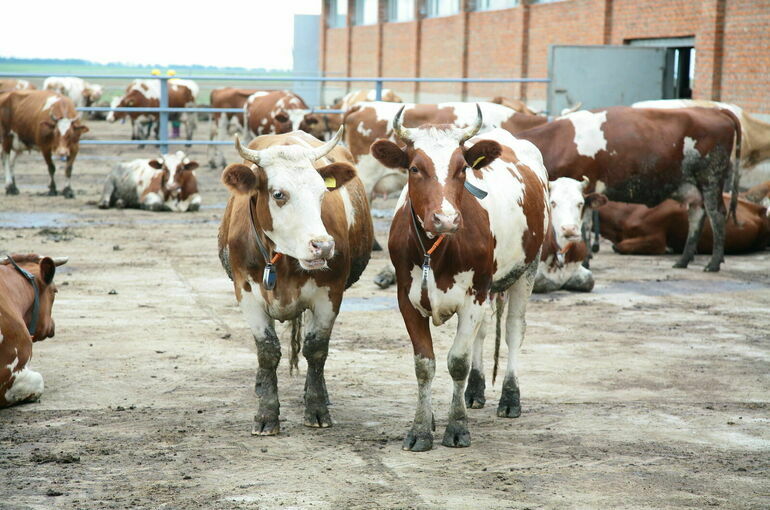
553, 204
413, 169
279, 195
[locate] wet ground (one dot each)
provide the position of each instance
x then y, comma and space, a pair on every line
650, 392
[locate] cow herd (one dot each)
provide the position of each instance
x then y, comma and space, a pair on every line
494, 203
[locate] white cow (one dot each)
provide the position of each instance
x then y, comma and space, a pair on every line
80, 91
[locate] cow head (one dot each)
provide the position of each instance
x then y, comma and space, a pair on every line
436, 161
115, 103
315, 124
43, 269
289, 192
568, 206
65, 132
179, 181
92, 93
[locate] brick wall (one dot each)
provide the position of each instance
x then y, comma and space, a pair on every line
441, 47
399, 48
364, 59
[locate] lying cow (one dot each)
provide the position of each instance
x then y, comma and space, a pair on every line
479, 246
295, 234
225, 124
273, 112
646, 156
44, 121
27, 294
561, 262
8, 84
639, 230
80, 91
759, 194
167, 183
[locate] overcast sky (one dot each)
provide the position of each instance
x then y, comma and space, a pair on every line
256, 33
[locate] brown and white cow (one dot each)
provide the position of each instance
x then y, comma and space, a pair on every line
8, 84
480, 246
166, 183
80, 91
225, 124
759, 194
640, 230
564, 250
146, 94
295, 203
368, 122
27, 294
646, 156
273, 112
41, 120
514, 104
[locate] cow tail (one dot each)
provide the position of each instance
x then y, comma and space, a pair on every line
736, 167
296, 343
499, 309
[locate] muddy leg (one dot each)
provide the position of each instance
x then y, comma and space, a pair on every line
695, 218
107, 191
9, 162
518, 295
581, 281
474, 392
715, 208
51, 171
67, 191
315, 350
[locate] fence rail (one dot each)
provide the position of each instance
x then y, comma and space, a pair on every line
163, 110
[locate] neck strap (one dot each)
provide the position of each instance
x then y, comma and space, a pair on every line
269, 276
32, 328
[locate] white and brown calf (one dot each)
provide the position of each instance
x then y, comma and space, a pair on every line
490, 245
167, 183
561, 263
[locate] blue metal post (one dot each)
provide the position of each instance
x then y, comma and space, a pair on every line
163, 132
378, 90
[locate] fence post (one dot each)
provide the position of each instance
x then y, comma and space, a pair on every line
163, 131
378, 90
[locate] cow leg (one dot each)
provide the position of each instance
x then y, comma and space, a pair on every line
266, 421
107, 192
518, 295
420, 436
715, 208
9, 163
315, 350
645, 245
26, 386
597, 232
51, 171
469, 321
67, 191
474, 392
581, 281
695, 218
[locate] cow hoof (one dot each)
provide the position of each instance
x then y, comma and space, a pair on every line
509, 411
11, 189
120, 204
194, 208
213, 164
318, 419
680, 265
266, 427
52, 192
68, 193
595, 248
474, 392
418, 441
711, 268
385, 278
376, 246
104, 205
457, 435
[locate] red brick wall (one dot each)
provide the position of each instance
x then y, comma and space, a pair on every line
399, 48
441, 46
336, 55
363, 60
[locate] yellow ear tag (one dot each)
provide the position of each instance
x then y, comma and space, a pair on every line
330, 182
478, 160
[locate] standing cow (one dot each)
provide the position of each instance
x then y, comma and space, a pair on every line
27, 294
646, 156
273, 112
166, 183
479, 246
295, 234
41, 120
225, 124
80, 91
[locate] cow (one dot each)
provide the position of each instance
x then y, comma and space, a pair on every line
636, 229
453, 249
647, 155
513, 104
41, 120
367, 122
166, 183
759, 194
295, 234
80, 91
324, 125
27, 294
273, 112
8, 84
146, 94
225, 123
564, 250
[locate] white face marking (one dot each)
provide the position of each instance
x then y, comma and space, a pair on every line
50, 102
63, 125
439, 146
589, 137
296, 115
566, 207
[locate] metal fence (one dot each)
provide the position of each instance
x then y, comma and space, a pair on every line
163, 109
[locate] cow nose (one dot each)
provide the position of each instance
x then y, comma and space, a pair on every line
322, 249
446, 223
570, 231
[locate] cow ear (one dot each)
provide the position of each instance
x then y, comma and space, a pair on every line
47, 270
192, 165
389, 154
156, 164
596, 200
240, 178
483, 153
337, 174
81, 128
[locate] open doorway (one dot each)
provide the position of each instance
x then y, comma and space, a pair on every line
679, 72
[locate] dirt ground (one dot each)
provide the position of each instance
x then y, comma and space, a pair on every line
650, 392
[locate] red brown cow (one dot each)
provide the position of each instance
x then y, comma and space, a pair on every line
646, 156
295, 234
27, 293
44, 121
479, 246
8, 84
759, 194
274, 112
225, 124
639, 230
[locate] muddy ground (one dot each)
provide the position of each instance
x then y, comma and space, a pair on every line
650, 392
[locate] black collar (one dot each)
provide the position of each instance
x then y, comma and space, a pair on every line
32, 328
268, 275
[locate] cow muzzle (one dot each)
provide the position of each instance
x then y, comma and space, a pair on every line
571, 232
445, 223
321, 250
63, 155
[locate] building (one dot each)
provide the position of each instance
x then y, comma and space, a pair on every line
719, 49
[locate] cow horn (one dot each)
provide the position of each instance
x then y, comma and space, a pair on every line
586, 181
59, 261
402, 133
245, 152
473, 130
327, 147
